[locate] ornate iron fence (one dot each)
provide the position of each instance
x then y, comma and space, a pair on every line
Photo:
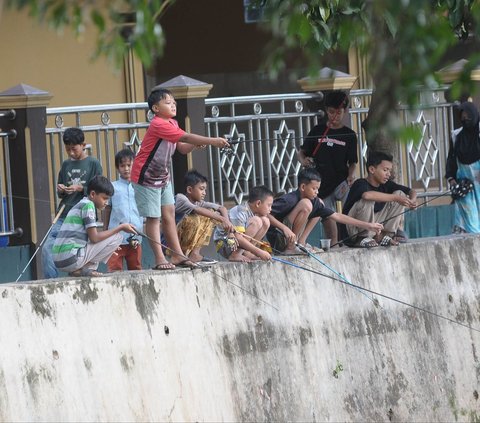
266, 130
108, 128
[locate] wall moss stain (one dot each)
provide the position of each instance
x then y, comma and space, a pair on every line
3, 398
39, 302
441, 260
4, 293
88, 364
305, 334
85, 293
35, 376
264, 338
146, 300
127, 362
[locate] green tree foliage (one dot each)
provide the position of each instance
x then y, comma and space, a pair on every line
403, 42
121, 25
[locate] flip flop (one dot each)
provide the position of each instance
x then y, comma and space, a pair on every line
206, 261
366, 242
186, 263
388, 241
164, 266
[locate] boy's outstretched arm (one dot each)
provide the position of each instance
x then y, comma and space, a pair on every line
348, 220
198, 140
94, 236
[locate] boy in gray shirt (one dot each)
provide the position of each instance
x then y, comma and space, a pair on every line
196, 218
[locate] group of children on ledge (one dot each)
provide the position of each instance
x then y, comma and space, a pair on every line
142, 204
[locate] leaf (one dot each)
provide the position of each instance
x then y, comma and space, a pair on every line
98, 20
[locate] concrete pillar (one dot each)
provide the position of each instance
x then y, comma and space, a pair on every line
190, 95
29, 169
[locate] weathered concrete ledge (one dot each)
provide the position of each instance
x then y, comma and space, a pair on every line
190, 346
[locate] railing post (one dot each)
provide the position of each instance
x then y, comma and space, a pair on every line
29, 164
190, 95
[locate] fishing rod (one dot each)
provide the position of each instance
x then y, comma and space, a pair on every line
267, 245
57, 216
394, 216
305, 250
197, 266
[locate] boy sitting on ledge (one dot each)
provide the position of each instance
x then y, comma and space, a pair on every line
378, 199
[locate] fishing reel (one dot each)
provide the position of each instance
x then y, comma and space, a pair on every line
133, 242
463, 187
231, 242
229, 151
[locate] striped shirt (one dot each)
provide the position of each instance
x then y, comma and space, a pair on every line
73, 233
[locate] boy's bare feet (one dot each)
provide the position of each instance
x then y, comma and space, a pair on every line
239, 257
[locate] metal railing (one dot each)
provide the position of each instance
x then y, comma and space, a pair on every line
7, 224
108, 128
267, 130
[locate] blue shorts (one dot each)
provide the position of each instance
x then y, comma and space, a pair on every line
150, 200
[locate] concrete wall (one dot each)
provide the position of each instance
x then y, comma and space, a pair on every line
190, 346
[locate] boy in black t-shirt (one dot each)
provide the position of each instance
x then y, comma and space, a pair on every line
297, 213
378, 199
331, 148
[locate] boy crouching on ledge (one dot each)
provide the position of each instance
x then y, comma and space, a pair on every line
251, 219
79, 247
196, 218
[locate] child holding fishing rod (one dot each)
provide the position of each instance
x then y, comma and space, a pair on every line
299, 211
377, 198
151, 176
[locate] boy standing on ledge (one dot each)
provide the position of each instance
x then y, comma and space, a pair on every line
151, 175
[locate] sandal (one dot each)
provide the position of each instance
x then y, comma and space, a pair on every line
186, 263
366, 242
388, 241
164, 266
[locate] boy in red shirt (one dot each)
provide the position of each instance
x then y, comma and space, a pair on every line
151, 174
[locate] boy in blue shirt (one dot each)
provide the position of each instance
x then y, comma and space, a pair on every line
73, 177
123, 209
79, 247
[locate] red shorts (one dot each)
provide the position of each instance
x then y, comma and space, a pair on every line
133, 257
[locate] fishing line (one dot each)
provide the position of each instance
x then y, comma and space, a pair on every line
364, 290
305, 250
41, 242
207, 269
421, 309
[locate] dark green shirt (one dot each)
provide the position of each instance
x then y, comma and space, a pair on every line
75, 172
